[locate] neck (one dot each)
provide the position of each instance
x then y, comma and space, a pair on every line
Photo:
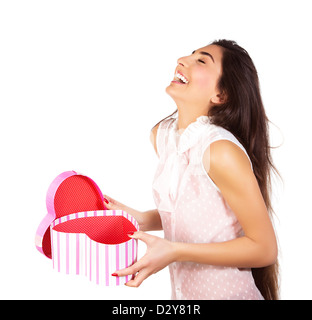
186, 118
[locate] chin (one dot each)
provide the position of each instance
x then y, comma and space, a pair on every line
177, 95
171, 92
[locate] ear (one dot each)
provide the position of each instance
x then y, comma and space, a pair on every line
219, 98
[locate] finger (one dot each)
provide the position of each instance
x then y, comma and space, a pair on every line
111, 203
143, 236
128, 271
138, 279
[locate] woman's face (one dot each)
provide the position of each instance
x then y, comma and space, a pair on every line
196, 78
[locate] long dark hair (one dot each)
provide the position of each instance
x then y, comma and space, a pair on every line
243, 115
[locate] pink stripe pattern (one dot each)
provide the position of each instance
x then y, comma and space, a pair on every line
76, 253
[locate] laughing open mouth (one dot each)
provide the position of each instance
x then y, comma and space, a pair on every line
180, 78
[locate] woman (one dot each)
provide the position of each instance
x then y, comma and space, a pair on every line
212, 184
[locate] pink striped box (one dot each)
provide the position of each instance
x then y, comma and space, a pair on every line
81, 236
95, 253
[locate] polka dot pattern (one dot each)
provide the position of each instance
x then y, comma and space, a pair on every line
193, 210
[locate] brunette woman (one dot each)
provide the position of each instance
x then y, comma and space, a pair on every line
212, 185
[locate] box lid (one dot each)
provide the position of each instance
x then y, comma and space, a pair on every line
70, 192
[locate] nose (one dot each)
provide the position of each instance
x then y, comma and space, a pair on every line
182, 61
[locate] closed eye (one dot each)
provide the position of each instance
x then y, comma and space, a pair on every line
201, 61
206, 54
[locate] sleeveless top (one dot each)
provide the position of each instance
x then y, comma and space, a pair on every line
193, 210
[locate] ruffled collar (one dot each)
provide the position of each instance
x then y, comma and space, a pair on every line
185, 139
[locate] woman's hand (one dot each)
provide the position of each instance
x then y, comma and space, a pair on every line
159, 254
147, 220
112, 204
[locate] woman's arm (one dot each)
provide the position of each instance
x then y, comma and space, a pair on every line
230, 169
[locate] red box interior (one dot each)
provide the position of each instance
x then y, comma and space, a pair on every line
75, 194
103, 229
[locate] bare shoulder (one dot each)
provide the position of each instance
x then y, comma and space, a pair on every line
228, 163
224, 153
153, 136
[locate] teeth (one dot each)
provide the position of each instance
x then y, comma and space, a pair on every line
179, 76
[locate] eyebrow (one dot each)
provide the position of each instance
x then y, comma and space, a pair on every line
206, 54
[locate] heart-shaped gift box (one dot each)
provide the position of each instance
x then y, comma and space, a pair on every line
81, 236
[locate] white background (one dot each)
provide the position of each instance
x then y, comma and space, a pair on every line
83, 82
